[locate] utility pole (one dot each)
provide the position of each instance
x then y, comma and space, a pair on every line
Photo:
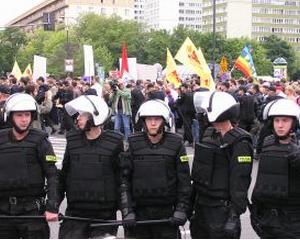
213, 39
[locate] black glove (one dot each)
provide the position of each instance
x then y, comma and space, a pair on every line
129, 220
178, 219
232, 227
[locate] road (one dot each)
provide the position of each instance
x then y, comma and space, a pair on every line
59, 142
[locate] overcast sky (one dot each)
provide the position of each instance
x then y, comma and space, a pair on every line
11, 9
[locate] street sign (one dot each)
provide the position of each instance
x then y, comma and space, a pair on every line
69, 65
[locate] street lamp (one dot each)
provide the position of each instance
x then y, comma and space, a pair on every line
213, 39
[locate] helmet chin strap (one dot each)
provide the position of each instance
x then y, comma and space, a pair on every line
19, 130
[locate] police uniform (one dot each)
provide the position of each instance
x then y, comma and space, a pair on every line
155, 184
275, 212
24, 167
90, 180
221, 177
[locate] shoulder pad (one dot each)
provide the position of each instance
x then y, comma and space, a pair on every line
36, 136
209, 131
269, 140
136, 136
137, 141
38, 132
73, 133
236, 134
113, 134
174, 136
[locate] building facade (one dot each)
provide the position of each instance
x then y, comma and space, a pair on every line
255, 19
68, 11
168, 14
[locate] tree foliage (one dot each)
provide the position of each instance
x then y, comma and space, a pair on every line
107, 35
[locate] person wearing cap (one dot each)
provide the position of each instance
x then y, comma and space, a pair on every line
276, 196
221, 172
155, 176
89, 178
27, 161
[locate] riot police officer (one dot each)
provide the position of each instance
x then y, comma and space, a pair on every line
89, 176
221, 172
155, 177
26, 161
275, 211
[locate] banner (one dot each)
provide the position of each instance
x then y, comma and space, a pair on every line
39, 67
89, 67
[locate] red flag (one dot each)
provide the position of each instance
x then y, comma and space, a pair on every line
124, 66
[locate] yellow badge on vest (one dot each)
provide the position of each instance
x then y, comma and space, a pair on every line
244, 159
184, 158
51, 158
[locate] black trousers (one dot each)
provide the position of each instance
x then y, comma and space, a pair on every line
208, 222
72, 229
275, 223
20, 228
153, 231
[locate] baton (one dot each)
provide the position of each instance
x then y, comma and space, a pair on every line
60, 217
119, 223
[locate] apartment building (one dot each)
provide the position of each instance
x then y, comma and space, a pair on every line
255, 19
168, 14
67, 11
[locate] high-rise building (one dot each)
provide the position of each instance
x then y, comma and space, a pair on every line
255, 19
139, 13
67, 11
168, 14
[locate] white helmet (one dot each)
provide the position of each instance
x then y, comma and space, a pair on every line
19, 102
283, 107
92, 104
198, 99
153, 108
218, 104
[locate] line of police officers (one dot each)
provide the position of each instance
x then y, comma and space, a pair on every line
151, 180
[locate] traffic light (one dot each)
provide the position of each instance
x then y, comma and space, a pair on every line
49, 21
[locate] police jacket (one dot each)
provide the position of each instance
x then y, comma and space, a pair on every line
89, 176
155, 174
25, 165
278, 177
222, 168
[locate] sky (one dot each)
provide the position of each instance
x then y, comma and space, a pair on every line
11, 9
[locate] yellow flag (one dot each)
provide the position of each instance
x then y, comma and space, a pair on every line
224, 65
28, 72
192, 58
171, 73
207, 80
16, 71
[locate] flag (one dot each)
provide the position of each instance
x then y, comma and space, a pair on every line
192, 58
171, 73
16, 71
245, 63
124, 66
224, 65
28, 71
207, 80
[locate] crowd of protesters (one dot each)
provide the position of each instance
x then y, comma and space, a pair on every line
125, 98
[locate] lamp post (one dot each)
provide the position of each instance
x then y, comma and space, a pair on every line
213, 39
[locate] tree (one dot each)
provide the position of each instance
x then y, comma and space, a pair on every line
11, 40
276, 47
